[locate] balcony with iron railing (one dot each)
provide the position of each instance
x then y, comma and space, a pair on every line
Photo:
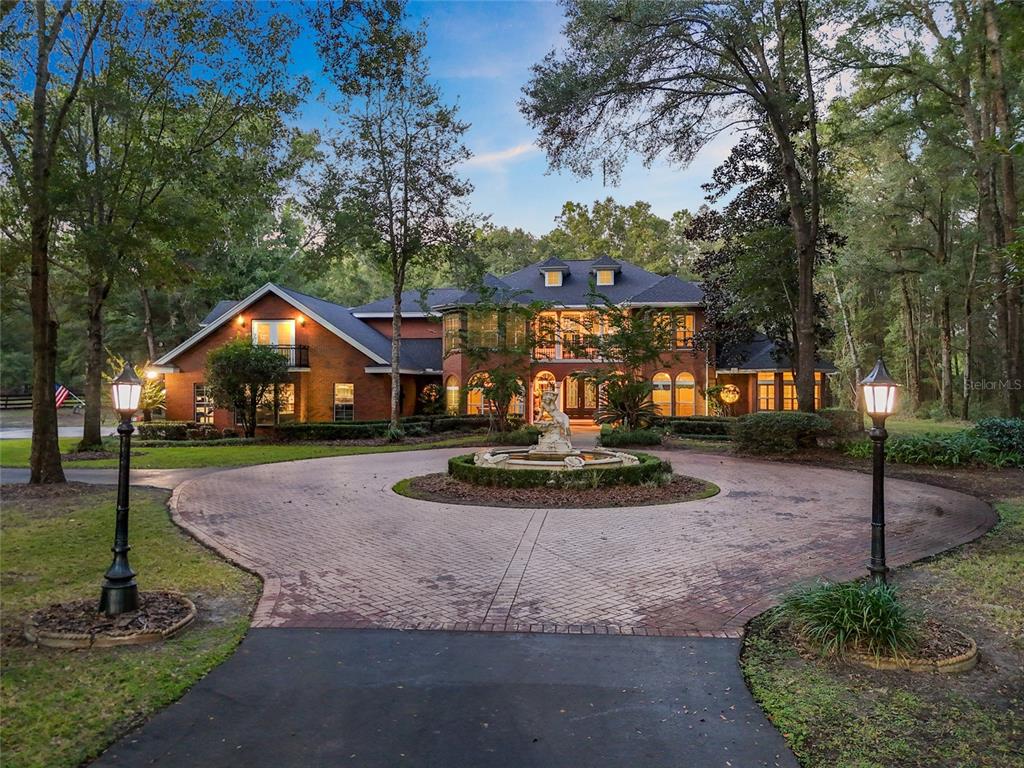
297, 355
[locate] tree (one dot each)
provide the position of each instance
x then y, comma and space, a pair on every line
397, 158
180, 112
667, 77
240, 376
29, 136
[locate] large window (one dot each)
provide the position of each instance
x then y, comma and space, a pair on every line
277, 405
686, 395
818, 376
766, 391
685, 325
553, 279
476, 403
789, 397
662, 393
546, 332
452, 332
202, 406
606, 277
482, 329
451, 395
344, 401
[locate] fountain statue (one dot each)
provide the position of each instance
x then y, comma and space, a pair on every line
554, 431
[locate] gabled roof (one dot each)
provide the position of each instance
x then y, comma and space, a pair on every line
333, 317
605, 262
414, 303
553, 264
222, 307
668, 291
759, 353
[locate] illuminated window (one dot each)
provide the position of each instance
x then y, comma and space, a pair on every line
202, 405
553, 279
451, 395
476, 403
344, 402
606, 277
452, 330
789, 397
546, 332
817, 389
766, 391
686, 395
515, 331
483, 329
661, 394
277, 405
684, 330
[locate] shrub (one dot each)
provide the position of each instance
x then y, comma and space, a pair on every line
956, 449
329, 430
697, 425
1005, 435
165, 430
416, 429
612, 437
851, 616
649, 470
778, 431
229, 433
394, 434
523, 436
843, 422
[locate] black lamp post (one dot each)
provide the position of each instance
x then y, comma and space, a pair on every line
879, 390
120, 593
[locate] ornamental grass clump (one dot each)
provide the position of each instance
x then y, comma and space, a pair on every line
837, 618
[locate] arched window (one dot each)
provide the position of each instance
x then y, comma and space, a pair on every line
476, 404
451, 395
662, 393
542, 382
517, 407
686, 395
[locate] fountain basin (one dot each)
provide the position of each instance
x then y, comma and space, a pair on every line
523, 468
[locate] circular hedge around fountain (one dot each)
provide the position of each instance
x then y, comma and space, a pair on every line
650, 470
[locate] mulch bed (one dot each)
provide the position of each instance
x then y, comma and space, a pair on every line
440, 487
90, 455
158, 611
23, 491
937, 642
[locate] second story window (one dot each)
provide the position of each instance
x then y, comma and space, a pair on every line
553, 279
482, 330
605, 277
452, 331
273, 333
684, 330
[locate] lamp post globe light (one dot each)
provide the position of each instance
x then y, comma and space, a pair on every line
879, 391
120, 593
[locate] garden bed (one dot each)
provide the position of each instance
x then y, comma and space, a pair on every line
443, 488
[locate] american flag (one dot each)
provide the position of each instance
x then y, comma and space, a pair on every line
61, 394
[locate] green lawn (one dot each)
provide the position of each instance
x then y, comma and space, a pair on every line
62, 708
839, 716
15, 453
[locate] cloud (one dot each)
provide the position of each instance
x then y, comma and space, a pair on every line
495, 161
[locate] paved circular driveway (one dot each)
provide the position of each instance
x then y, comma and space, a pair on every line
337, 548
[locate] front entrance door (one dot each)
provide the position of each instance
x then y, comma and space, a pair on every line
580, 397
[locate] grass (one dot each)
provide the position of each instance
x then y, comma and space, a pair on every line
896, 426
62, 708
838, 716
15, 453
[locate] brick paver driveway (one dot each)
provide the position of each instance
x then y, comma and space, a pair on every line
337, 548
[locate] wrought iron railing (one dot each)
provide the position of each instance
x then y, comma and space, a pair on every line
296, 354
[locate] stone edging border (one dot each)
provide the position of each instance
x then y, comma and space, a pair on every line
960, 663
79, 640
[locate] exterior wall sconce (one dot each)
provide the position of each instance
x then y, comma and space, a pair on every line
240, 321
301, 320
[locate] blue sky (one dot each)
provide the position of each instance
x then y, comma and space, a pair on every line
480, 53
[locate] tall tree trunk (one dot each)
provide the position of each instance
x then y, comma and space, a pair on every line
965, 408
913, 354
850, 345
396, 348
94, 359
1009, 208
45, 454
946, 364
147, 324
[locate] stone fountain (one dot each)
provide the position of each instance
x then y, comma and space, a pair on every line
553, 450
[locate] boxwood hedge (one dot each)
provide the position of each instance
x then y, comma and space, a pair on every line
696, 425
368, 430
649, 470
778, 431
613, 437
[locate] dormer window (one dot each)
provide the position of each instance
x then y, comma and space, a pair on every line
606, 277
553, 278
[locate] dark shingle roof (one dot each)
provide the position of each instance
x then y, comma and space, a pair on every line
413, 302
605, 261
670, 289
222, 307
553, 263
341, 318
760, 353
420, 354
